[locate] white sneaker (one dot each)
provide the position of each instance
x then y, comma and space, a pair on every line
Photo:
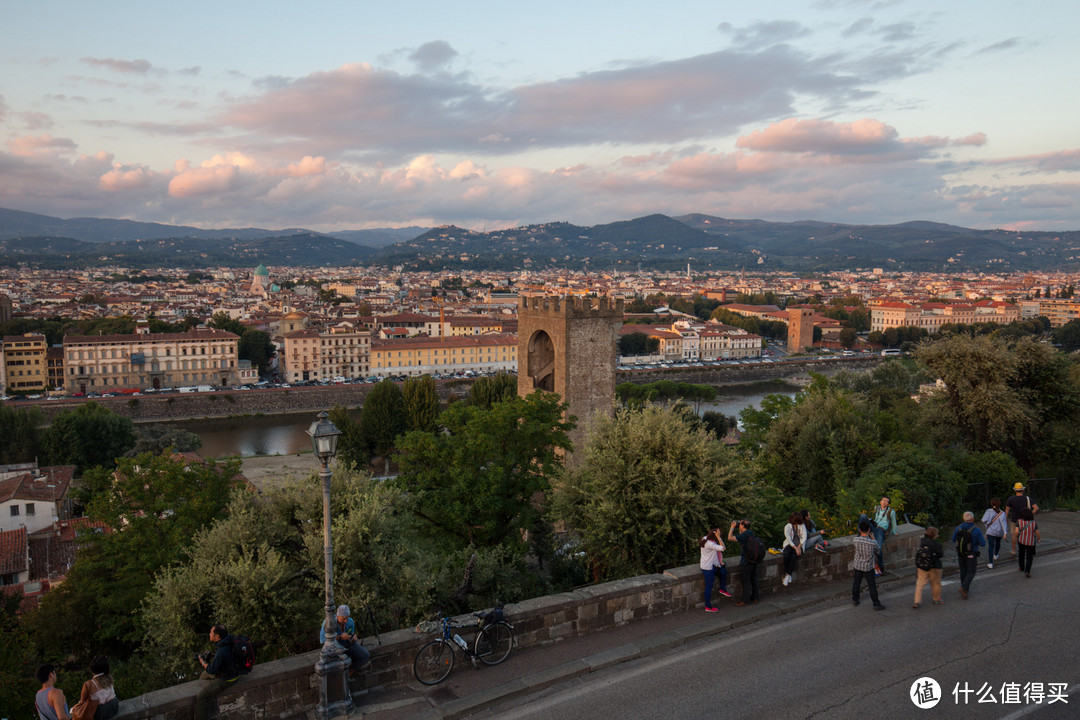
787, 579
990, 565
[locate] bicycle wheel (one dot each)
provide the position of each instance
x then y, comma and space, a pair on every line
434, 662
494, 643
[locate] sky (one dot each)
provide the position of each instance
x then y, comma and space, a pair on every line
351, 115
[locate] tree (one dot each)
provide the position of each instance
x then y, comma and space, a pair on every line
382, 419
269, 557
223, 321
421, 403
647, 485
88, 436
1068, 336
155, 506
848, 336
1000, 395
352, 447
477, 480
156, 439
256, 346
487, 391
19, 434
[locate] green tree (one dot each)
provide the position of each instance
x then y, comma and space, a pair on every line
1068, 336
352, 447
156, 505
421, 403
223, 321
487, 391
16, 663
932, 487
1000, 395
19, 435
256, 346
848, 336
648, 483
269, 555
635, 343
477, 479
90, 435
382, 419
156, 439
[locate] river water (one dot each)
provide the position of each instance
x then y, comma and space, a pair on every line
286, 434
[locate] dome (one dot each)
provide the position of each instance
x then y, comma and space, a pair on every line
261, 270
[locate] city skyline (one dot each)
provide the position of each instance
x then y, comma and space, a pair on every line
337, 116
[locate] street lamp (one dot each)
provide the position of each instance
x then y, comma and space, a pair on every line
335, 700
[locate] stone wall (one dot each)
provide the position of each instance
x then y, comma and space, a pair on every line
288, 688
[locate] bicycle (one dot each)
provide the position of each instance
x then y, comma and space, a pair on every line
493, 643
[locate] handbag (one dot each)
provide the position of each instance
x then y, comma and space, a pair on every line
85, 709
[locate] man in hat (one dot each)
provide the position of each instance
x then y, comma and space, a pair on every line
345, 636
1019, 501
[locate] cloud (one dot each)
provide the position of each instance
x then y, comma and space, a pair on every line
1008, 44
433, 55
977, 139
193, 70
136, 67
30, 145
126, 177
35, 120
3, 108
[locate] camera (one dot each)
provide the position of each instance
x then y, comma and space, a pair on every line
207, 656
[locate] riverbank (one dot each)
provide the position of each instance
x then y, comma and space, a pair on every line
269, 471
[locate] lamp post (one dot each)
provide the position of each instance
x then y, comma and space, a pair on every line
335, 700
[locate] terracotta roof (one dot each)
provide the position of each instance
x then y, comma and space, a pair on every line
48, 483
201, 334
53, 550
13, 551
450, 342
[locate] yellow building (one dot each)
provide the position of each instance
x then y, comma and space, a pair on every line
427, 356
931, 316
101, 363
25, 367
340, 351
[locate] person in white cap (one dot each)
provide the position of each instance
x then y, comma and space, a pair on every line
345, 636
1019, 501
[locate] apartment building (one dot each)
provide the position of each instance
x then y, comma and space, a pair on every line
931, 316
426, 356
342, 350
1057, 311
99, 363
25, 364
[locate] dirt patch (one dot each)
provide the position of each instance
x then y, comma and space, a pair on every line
265, 471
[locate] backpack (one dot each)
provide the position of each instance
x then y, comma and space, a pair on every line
755, 550
243, 654
924, 558
964, 546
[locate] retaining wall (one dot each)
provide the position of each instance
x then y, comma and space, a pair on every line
288, 688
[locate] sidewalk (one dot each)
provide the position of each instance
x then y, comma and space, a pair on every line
469, 691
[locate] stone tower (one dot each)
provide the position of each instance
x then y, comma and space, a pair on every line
567, 346
800, 329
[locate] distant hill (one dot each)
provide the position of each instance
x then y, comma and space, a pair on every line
654, 242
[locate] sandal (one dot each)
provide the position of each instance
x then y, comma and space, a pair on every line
915, 606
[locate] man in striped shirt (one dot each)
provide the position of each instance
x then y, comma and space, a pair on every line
863, 565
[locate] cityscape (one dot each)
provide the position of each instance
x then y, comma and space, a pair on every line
612, 350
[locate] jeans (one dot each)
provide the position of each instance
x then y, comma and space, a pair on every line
214, 686
993, 544
879, 536
1027, 554
710, 575
358, 653
791, 560
721, 576
749, 582
967, 571
871, 582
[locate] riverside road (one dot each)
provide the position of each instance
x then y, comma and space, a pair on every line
838, 661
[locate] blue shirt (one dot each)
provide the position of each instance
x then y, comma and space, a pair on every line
977, 539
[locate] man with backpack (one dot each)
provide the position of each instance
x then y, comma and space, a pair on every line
222, 669
884, 525
968, 538
753, 552
928, 567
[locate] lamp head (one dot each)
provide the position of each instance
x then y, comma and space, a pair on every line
324, 436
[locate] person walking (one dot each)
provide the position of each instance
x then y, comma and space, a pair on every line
1015, 504
752, 554
928, 564
863, 565
884, 525
996, 522
968, 538
1027, 534
794, 540
712, 564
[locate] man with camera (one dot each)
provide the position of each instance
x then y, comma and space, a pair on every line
220, 672
345, 636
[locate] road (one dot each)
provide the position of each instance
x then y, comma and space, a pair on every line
846, 662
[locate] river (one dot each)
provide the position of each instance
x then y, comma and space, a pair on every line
286, 434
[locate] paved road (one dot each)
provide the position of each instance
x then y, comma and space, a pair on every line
844, 662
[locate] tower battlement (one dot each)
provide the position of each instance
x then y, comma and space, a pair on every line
560, 306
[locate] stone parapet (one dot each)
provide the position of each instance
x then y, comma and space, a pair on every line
288, 688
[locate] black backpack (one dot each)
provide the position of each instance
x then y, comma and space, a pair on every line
755, 550
243, 654
924, 558
964, 546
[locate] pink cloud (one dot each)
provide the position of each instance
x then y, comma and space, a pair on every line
203, 181
822, 136
125, 178
138, 67
30, 145
978, 139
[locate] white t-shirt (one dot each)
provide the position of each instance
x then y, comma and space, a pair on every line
711, 554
